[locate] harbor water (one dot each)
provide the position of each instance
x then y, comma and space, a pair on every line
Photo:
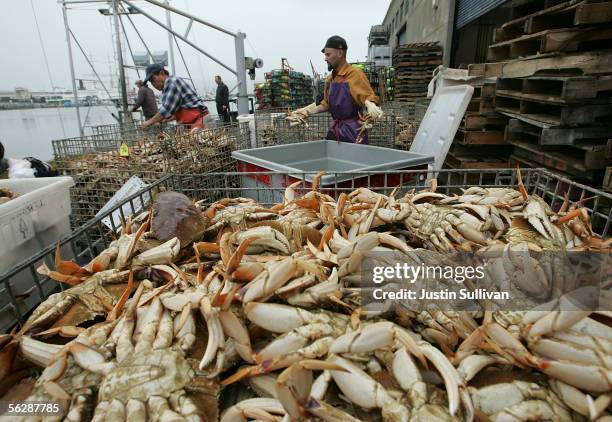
29, 132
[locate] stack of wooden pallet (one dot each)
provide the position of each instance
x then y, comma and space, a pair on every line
554, 82
479, 142
414, 64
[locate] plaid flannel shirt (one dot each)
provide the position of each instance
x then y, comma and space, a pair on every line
178, 94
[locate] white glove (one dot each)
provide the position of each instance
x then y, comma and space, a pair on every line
309, 110
300, 115
373, 110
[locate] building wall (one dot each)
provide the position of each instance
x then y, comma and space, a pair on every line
472, 41
415, 21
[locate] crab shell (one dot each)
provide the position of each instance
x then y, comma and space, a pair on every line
174, 215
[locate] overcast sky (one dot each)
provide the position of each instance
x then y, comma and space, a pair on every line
295, 29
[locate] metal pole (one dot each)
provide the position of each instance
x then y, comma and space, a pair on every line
142, 12
187, 15
90, 65
243, 98
127, 41
170, 42
72, 76
122, 88
178, 47
141, 39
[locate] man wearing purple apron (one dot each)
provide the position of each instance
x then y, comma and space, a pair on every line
347, 91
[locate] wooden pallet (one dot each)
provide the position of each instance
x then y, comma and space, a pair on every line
411, 62
577, 164
591, 179
520, 8
520, 130
607, 181
551, 40
558, 89
563, 15
479, 137
481, 150
406, 89
475, 162
485, 70
481, 121
581, 157
575, 64
546, 114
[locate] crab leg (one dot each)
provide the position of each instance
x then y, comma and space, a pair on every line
100, 411
103, 260
277, 275
279, 318
88, 358
293, 385
185, 330
233, 327
259, 408
375, 336
124, 340
37, 352
164, 331
50, 310
182, 404
264, 385
159, 409
135, 410
162, 254
328, 413
216, 339
363, 391
293, 341
152, 318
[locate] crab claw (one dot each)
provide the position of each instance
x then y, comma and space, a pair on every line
68, 268
375, 336
89, 359
65, 331
57, 276
293, 385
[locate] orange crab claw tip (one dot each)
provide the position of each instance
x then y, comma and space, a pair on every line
242, 373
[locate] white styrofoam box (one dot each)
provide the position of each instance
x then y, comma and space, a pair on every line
442, 119
250, 118
35, 219
38, 218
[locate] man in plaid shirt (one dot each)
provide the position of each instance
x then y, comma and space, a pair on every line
179, 100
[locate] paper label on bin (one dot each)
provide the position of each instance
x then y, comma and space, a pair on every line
124, 151
132, 186
21, 224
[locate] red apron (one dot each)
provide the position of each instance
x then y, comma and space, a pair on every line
193, 117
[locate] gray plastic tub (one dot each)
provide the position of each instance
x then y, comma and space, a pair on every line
330, 156
324, 155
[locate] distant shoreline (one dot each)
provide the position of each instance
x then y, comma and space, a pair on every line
37, 106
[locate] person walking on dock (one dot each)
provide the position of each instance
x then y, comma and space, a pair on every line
347, 91
146, 100
179, 100
222, 99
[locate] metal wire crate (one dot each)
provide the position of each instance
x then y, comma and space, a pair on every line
382, 133
265, 186
100, 170
131, 131
405, 111
265, 125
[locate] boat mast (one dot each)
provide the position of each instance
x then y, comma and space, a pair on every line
170, 40
72, 76
123, 90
